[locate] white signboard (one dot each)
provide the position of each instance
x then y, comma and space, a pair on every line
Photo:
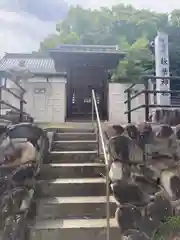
162, 68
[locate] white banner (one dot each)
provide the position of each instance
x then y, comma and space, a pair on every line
162, 68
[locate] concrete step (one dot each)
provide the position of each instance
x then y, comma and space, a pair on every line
74, 207
74, 136
73, 156
68, 187
86, 229
89, 129
75, 145
71, 170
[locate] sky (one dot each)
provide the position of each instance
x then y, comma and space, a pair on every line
24, 23
160, 6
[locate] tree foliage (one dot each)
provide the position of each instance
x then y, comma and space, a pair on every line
125, 26
138, 61
170, 229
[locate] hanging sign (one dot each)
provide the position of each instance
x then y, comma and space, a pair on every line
162, 68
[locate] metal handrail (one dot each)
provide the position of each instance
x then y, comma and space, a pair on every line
147, 93
101, 141
4, 104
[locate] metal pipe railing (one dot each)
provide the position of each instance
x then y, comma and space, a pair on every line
18, 94
147, 105
101, 142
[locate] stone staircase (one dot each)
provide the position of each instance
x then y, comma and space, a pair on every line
71, 194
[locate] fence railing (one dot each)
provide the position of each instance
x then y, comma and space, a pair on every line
147, 105
12, 100
101, 145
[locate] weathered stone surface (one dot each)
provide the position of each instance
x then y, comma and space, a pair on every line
166, 116
74, 145
128, 217
131, 193
145, 173
135, 235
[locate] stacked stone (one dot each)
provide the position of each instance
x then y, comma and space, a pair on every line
144, 164
166, 116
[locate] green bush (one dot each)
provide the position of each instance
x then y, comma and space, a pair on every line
169, 229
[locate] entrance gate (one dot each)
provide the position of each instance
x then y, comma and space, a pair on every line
87, 68
81, 81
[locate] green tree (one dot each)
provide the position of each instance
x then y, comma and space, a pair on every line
121, 25
138, 60
175, 18
54, 40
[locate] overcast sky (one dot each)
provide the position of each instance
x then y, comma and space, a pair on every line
160, 6
24, 23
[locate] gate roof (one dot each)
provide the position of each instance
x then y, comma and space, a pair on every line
56, 61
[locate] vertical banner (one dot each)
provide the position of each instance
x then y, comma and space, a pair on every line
162, 68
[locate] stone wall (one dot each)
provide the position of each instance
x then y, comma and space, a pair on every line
145, 177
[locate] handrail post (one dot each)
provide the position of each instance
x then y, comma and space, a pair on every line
129, 105
107, 204
92, 103
0, 101
146, 100
101, 140
21, 108
98, 145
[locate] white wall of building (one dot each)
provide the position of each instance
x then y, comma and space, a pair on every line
46, 101
117, 97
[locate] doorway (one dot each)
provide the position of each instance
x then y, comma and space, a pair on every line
81, 81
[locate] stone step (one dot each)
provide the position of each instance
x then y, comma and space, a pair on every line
86, 229
75, 145
68, 187
75, 130
74, 207
73, 156
74, 136
71, 170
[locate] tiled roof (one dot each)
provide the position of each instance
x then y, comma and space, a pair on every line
87, 48
44, 62
33, 62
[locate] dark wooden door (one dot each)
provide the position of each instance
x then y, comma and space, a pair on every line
81, 82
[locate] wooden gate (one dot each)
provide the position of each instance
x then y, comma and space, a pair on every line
81, 81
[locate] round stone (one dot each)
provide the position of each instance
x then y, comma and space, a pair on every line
128, 217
